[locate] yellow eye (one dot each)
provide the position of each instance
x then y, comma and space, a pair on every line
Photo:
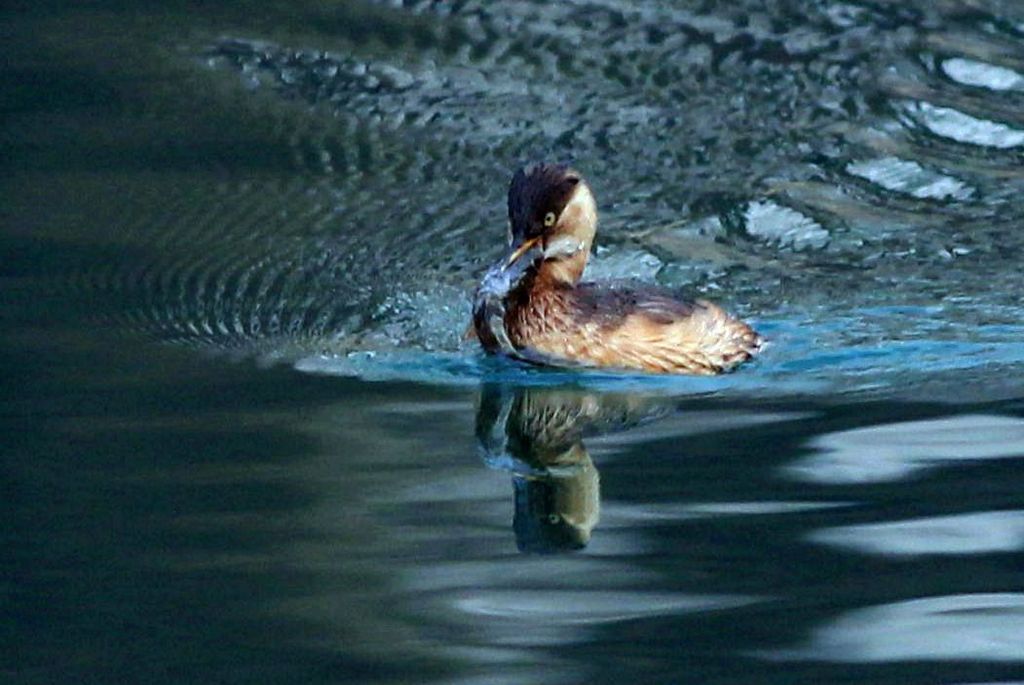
549, 219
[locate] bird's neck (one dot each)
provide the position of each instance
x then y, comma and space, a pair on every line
564, 270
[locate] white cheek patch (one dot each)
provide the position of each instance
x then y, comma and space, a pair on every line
564, 246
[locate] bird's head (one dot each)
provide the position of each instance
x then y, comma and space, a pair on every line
552, 217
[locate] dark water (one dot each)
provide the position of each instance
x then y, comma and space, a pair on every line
242, 439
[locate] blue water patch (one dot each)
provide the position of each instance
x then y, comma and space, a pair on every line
870, 348
472, 368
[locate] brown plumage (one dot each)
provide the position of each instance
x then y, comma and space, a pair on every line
531, 305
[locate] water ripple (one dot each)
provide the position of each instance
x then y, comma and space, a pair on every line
980, 627
974, 533
955, 125
974, 73
560, 609
899, 450
893, 173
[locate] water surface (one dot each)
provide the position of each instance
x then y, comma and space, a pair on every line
244, 441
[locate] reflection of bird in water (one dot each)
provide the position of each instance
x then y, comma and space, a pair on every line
532, 306
537, 434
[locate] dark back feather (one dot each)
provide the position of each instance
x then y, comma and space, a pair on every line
608, 304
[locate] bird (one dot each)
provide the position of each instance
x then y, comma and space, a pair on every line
532, 305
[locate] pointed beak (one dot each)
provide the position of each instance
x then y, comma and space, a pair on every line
521, 250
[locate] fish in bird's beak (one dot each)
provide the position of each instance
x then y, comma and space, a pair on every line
520, 251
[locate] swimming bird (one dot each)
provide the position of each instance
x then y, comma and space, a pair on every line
531, 305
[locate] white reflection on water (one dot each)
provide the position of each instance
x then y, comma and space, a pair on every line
894, 451
909, 177
548, 613
963, 128
632, 515
508, 612
976, 533
982, 627
784, 226
974, 73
